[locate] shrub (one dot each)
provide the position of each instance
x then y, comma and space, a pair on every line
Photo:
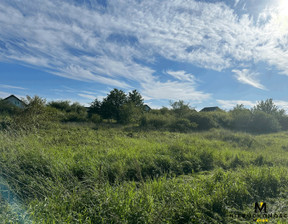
155, 121
241, 118
75, 117
60, 105
182, 125
283, 120
205, 121
236, 162
33, 116
7, 108
263, 181
5, 122
129, 113
264, 123
222, 118
96, 118
206, 160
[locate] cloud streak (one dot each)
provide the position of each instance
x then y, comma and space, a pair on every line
246, 77
11, 87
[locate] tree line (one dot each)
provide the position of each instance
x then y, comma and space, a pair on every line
122, 108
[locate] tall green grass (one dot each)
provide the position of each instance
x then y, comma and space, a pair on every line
76, 174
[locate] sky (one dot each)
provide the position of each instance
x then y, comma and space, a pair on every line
207, 53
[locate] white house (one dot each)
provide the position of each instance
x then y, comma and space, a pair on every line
15, 101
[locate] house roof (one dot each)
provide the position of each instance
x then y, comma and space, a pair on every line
13, 96
147, 107
206, 109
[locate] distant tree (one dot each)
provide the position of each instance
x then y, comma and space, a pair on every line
60, 105
35, 105
77, 113
164, 110
34, 115
277, 116
131, 111
110, 107
118, 106
204, 121
68, 112
77, 108
264, 123
268, 107
241, 118
95, 107
180, 108
135, 98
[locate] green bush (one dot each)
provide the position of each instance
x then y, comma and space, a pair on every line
155, 121
5, 122
75, 117
264, 181
96, 118
241, 118
283, 120
223, 119
130, 113
264, 123
33, 116
204, 120
60, 105
7, 108
182, 125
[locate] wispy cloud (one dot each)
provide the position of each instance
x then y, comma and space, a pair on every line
247, 77
90, 97
181, 75
10, 87
106, 46
174, 90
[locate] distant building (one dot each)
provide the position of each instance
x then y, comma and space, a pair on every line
209, 109
15, 101
147, 108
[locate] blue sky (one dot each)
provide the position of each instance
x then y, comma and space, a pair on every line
207, 53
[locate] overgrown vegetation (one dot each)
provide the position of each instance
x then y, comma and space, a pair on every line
119, 107
93, 171
72, 173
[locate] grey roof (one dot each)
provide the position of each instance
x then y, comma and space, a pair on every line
206, 109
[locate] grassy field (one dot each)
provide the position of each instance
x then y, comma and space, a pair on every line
71, 173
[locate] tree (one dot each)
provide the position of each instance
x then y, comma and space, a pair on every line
34, 115
268, 107
60, 105
95, 107
110, 108
135, 98
129, 113
78, 113
180, 108
241, 118
264, 123
132, 110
